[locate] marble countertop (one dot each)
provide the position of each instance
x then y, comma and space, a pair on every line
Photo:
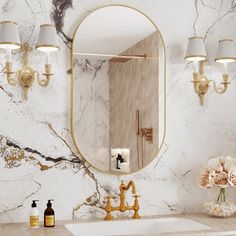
220, 226
22, 229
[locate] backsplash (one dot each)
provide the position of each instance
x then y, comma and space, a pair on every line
38, 159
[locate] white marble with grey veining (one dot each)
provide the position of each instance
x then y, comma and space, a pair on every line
40, 125
91, 110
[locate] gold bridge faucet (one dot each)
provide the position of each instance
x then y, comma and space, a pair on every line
123, 206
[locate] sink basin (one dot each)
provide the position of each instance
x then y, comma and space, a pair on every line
135, 227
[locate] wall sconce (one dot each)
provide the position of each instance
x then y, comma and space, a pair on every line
10, 40
197, 54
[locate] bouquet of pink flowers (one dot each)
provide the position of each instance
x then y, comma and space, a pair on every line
220, 172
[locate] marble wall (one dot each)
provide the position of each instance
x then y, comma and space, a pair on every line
38, 160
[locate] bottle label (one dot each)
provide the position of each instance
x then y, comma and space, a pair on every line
34, 221
49, 220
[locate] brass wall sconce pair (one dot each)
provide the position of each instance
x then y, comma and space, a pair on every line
25, 76
196, 53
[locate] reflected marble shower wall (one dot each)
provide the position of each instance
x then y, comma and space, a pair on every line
91, 110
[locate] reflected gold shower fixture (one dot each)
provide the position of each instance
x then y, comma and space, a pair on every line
146, 133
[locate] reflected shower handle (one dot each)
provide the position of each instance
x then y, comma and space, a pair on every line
137, 122
146, 133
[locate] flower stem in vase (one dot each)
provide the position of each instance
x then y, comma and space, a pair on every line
221, 196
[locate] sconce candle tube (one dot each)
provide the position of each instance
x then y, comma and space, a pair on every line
195, 66
225, 68
47, 57
8, 54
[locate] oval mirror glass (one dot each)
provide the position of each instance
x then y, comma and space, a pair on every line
118, 89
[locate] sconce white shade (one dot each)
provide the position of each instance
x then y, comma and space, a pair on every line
47, 40
226, 51
195, 50
9, 36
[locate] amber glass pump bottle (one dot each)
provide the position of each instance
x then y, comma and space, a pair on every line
49, 215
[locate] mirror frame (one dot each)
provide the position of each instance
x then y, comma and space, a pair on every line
71, 117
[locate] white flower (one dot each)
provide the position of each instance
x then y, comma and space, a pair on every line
229, 164
232, 176
221, 179
220, 172
214, 165
205, 179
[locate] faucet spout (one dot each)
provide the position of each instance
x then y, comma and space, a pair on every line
131, 184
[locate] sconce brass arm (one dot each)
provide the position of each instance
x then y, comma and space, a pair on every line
218, 89
47, 74
9, 74
201, 84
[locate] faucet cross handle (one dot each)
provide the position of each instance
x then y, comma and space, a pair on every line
108, 207
136, 207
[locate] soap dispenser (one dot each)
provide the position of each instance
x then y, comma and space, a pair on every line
49, 215
34, 215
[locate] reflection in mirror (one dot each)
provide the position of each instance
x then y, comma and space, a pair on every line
118, 89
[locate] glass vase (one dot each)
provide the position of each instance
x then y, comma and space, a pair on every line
221, 207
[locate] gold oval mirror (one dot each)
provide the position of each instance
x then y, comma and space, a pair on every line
118, 89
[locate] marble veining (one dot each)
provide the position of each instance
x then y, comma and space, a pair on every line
38, 160
91, 110
58, 14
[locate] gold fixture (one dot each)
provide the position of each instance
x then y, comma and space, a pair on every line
125, 58
26, 74
10, 40
196, 53
202, 83
72, 96
123, 206
146, 133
